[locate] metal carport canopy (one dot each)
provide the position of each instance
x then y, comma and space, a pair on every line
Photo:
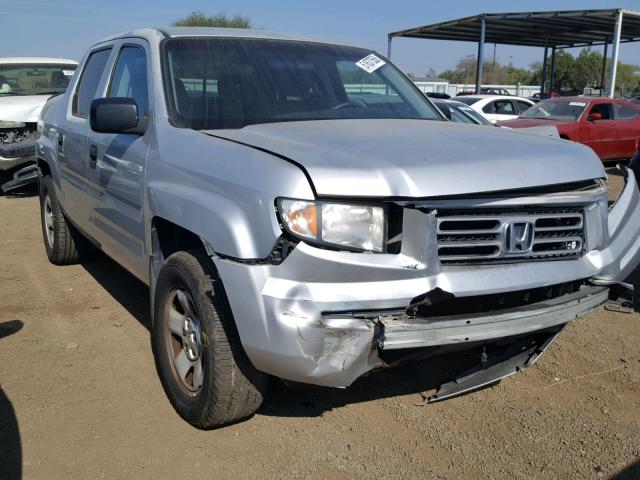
548, 29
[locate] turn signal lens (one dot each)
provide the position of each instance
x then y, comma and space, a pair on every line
300, 217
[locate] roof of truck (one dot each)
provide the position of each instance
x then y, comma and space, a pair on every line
175, 32
29, 60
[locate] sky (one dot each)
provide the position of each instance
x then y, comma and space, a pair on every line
66, 28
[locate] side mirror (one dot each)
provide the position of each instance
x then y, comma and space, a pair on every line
116, 115
594, 117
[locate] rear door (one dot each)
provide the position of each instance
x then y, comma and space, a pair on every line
600, 134
72, 138
626, 128
117, 169
499, 110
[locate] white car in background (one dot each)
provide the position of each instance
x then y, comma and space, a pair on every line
26, 83
497, 108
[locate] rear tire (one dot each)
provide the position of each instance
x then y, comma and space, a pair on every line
199, 358
61, 240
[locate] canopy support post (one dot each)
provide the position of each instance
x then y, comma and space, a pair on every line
552, 71
614, 55
544, 73
480, 64
603, 73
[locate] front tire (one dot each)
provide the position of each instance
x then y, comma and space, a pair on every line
61, 240
203, 369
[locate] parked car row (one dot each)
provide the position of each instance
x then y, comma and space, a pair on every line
486, 91
289, 228
609, 126
25, 85
497, 108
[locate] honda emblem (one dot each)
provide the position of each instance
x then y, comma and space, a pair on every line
518, 237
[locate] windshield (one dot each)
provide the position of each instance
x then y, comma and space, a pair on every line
219, 83
556, 110
34, 78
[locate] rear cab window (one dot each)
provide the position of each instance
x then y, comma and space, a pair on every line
89, 81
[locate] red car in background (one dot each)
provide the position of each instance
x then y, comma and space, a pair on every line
610, 126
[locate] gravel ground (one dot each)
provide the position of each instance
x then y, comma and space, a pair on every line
80, 399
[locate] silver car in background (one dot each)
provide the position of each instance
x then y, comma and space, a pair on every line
289, 228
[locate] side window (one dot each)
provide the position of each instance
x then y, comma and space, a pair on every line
88, 84
503, 107
130, 77
489, 107
604, 109
624, 112
523, 106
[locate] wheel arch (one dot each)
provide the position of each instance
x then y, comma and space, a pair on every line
43, 167
225, 224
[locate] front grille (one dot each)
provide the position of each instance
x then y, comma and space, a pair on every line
491, 235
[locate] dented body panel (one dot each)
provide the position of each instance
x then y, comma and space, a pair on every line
298, 306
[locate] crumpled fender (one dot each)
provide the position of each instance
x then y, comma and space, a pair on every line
622, 254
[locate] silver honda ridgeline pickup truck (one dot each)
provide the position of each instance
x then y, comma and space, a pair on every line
300, 210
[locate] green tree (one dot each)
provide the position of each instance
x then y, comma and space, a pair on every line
628, 78
199, 19
564, 72
573, 74
587, 69
465, 72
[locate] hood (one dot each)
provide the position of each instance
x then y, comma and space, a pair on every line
418, 158
19, 108
532, 122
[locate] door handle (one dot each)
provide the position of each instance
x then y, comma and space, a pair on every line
93, 156
60, 142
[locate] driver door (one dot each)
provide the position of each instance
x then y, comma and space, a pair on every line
600, 134
117, 166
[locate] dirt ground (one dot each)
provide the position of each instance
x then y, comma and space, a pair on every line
80, 399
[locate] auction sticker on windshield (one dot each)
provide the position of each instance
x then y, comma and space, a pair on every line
370, 63
578, 104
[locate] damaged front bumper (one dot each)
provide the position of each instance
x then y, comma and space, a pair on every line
406, 331
325, 317
18, 154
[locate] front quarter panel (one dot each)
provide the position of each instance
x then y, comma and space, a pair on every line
221, 191
48, 128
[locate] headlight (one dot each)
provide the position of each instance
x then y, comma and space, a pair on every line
352, 226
